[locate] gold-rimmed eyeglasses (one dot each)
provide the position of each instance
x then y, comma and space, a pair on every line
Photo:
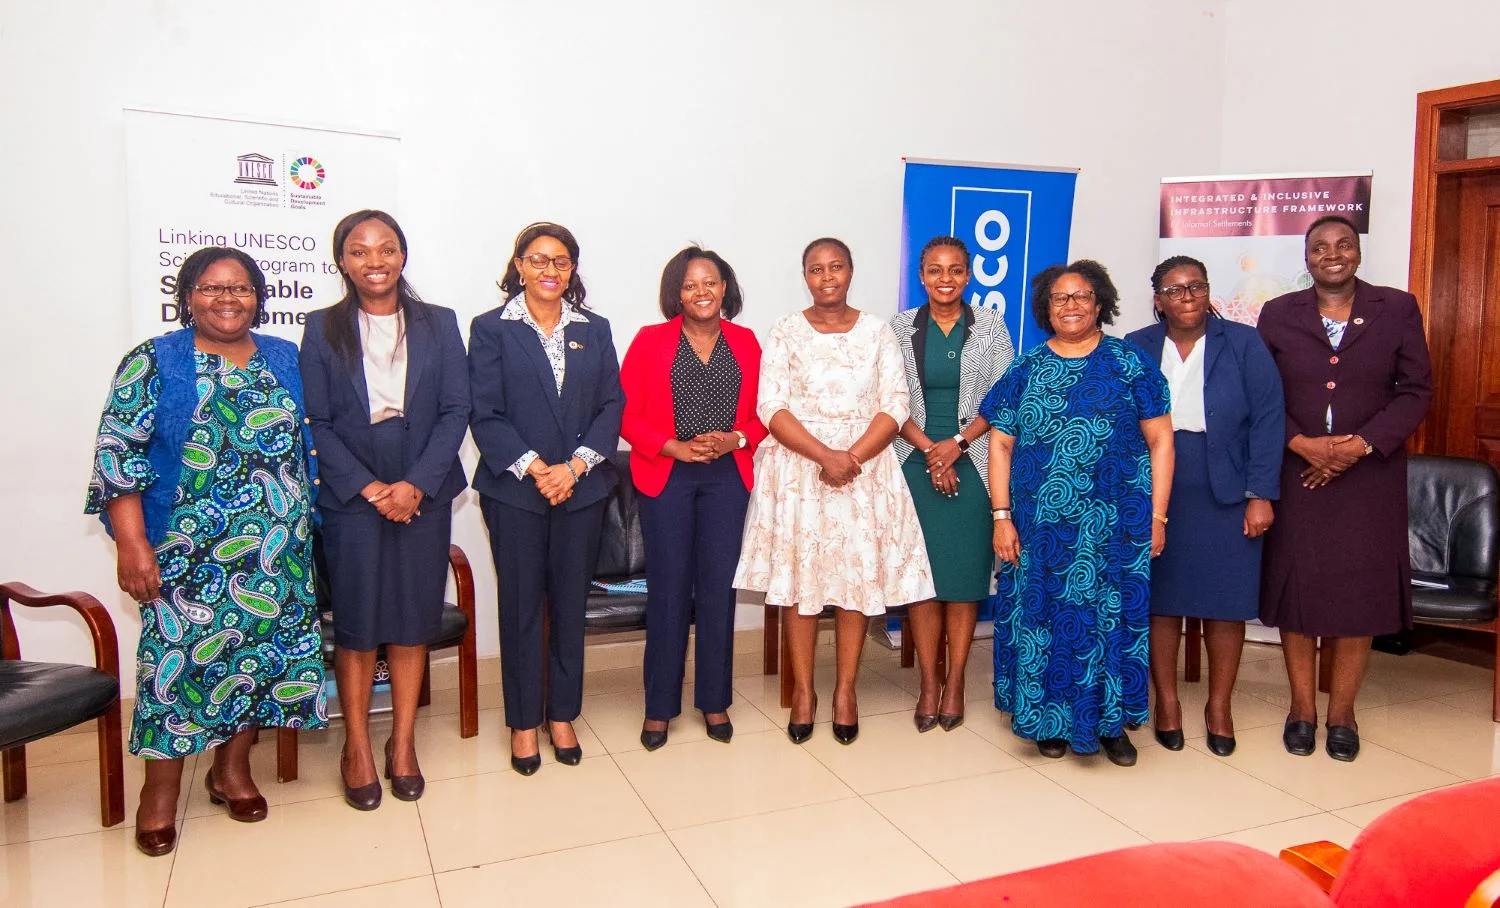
539, 261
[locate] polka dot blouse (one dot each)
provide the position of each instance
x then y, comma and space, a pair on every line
704, 395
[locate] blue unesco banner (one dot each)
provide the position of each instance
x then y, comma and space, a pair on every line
1015, 221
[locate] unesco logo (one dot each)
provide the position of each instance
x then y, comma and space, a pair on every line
256, 170
307, 173
995, 223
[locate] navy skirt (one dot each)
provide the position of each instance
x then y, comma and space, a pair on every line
1209, 569
387, 579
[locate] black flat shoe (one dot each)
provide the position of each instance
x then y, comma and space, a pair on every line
1342, 743
1053, 748
720, 731
405, 788
364, 797
950, 722
845, 734
1299, 738
1119, 749
243, 810
651, 740
1171, 739
923, 723
567, 756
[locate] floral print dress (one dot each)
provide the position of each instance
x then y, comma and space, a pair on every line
233, 641
808, 544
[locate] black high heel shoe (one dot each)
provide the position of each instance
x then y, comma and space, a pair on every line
801, 731
719, 731
950, 722
652, 740
567, 756
364, 797
1218, 745
526, 766
406, 788
845, 734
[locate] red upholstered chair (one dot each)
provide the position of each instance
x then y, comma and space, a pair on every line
1183, 875
1441, 848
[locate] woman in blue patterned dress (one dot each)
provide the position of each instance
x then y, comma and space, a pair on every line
1080, 474
201, 474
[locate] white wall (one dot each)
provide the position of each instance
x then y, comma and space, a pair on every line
750, 127
1328, 87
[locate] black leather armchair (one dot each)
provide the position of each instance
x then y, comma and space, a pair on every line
1454, 531
622, 559
38, 699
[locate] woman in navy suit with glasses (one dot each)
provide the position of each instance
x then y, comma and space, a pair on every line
545, 387
388, 401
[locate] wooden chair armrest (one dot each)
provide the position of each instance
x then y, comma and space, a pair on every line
101, 626
1318, 861
463, 580
1486, 894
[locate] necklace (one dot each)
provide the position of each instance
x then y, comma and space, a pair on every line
703, 349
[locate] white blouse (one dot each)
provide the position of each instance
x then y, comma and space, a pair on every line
383, 339
1185, 381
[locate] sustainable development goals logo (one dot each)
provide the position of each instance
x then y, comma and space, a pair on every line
306, 173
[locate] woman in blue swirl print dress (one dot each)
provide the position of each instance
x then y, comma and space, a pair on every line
202, 474
1080, 475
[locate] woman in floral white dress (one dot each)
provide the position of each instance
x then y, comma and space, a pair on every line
831, 522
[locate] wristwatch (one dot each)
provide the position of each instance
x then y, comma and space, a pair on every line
743, 440
963, 443
1000, 513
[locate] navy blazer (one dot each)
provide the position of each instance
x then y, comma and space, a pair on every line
436, 407
1243, 408
516, 407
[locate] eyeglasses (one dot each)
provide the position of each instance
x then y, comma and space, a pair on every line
1177, 292
1082, 297
539, 261
214, 291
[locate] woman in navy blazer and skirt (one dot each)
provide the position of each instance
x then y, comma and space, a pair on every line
388, 400
1227, 417
545, 388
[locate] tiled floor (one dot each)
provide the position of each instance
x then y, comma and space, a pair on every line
760, 821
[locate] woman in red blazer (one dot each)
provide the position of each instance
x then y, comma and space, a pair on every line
690, 395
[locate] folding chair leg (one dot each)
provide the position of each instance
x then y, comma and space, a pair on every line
424, 698
786, 667
1193, 664
111, 768
13, 767
286, 755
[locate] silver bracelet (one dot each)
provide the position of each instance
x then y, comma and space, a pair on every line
569, 464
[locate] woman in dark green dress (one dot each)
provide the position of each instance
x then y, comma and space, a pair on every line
954, 353
202, 472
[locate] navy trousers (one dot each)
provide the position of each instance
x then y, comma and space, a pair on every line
542, 561
692, 532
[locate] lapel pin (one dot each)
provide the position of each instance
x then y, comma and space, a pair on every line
574, 345
1359, 321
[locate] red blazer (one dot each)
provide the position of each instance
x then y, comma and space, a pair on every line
646, 375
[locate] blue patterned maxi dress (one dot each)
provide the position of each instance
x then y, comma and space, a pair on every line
1071, 622
232, 642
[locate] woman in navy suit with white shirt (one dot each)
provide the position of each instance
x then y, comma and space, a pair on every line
545, 388
1227, 417
387, 390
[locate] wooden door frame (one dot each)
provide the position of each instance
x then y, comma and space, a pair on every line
1432, 274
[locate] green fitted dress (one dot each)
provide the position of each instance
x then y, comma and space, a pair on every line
958, 530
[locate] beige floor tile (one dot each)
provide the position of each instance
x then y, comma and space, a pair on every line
99, 868
993, 725
1322, 827
1461, 743
1324, 782
348, 848
891, 754
1248, 711
417, 892
1479, 702
999, 823
1266, 680
1148, 797
1259, 652
979, 675
1362, 815
876, 694
62, 799
838, 853
445, 702
616, 718
1427, 676
644, 871
613, 681
503, 815
707, 781
445, 755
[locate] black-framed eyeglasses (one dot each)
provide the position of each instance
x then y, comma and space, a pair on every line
214, 291
1177, 292
1083, 297
539, 261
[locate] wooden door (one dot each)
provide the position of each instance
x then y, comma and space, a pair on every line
1479, 302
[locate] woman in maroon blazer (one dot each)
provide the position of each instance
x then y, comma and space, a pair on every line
690, 393
1354, 365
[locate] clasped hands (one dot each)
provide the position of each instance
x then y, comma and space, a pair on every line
396, 501
709, 446
838, 468
942, 459
555, 482
1327, 457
